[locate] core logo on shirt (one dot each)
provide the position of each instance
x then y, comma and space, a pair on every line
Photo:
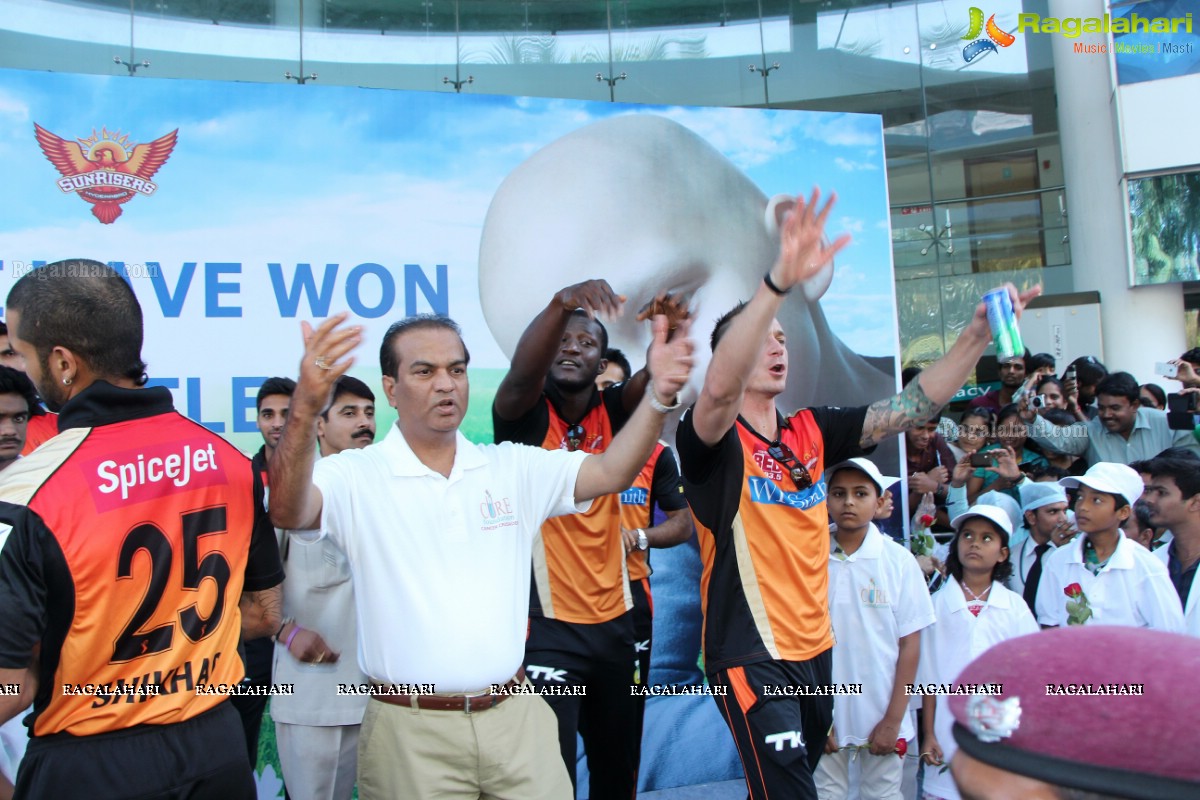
764, 490
793, 739
152, 472
496, 513
546, 673
635, 496
105, 169
874, 596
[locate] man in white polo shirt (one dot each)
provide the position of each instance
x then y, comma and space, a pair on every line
438, 532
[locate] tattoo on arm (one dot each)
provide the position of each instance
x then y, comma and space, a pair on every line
261, 612
910, 408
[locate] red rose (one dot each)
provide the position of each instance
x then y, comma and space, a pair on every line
901, 747
926, 520
1073, 591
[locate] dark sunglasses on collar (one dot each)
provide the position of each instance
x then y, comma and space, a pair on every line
798, 472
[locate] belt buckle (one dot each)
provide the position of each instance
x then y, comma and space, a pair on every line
467, 698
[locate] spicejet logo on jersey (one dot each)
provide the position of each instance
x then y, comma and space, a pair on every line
106, 169
148, 473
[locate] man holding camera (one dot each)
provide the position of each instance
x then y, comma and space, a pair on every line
1122, 432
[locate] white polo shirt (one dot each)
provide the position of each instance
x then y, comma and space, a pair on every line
955, 640
876, 595
1191, 614
441, 566
1132, 589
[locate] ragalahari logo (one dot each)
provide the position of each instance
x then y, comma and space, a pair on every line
106, 169
995, 36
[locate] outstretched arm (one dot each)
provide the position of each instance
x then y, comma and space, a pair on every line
614, 470
522, 386
921, 399
295, 503
802, 254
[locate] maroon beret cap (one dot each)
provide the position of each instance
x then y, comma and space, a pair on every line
1103, 708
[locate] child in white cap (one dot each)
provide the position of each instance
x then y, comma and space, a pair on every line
974, 611
1102, 578
878, 603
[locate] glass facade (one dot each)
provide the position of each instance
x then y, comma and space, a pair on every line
971, 130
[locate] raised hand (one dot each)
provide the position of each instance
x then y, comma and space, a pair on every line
669, 362
326, 358
1186, 373
675, 307
593, 296
1019, 299
962, 471
1006, 465
803, 248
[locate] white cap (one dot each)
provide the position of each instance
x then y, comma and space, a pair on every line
1110, 478
1035, 495
881, 482
1005, 503
992, 513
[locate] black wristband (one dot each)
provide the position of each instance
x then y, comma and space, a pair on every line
771, 285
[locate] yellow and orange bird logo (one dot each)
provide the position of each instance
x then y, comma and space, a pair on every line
106, 169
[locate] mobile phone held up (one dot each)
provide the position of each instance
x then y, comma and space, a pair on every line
982, 460
1167, 370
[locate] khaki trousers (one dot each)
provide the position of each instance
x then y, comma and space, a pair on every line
507, 752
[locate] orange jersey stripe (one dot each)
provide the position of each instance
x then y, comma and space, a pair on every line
579, 559
746, 697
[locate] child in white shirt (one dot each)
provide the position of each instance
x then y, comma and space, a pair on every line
879, 604
974, 611
1102, 578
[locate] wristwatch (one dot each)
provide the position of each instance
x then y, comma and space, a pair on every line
642, 542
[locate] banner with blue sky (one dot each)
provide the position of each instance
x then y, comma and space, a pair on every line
238, 210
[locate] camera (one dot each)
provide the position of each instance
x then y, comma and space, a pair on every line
1037, 401
1181, 411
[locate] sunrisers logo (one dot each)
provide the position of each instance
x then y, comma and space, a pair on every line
106, 169
995, 36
